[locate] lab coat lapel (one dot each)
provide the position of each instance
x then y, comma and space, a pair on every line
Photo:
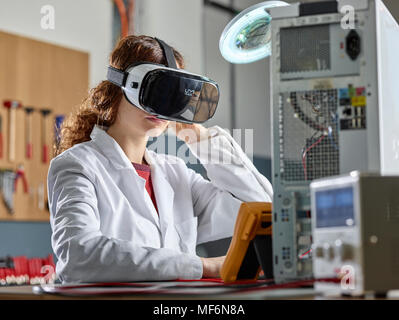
149, 208
110, 148
128, 178
164, 196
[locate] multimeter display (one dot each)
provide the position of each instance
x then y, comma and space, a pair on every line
334, 208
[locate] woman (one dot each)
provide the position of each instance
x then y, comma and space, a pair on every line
120, 212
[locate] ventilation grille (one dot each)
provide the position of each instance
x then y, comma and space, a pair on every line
308, 135
305, 49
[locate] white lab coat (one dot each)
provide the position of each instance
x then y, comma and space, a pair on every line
105, 226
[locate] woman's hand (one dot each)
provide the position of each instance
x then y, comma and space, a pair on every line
189, 133
212, 267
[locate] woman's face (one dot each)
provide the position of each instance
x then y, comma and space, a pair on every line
139, 122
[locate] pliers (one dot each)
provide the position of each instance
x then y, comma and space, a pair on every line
21, 174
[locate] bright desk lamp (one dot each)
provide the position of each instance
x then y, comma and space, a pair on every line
247, 37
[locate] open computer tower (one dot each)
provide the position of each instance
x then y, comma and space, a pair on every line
335, 108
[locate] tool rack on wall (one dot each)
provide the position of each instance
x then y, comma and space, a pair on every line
52, 80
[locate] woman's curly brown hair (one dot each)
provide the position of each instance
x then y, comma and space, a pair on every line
101, 105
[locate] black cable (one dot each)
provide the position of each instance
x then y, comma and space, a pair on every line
222, 7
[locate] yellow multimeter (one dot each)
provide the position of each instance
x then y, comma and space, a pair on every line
250, 249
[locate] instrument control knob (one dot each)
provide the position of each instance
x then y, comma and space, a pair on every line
347, 252
319, 252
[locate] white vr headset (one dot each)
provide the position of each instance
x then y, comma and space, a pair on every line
166, 91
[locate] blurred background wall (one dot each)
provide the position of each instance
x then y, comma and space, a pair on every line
82, 25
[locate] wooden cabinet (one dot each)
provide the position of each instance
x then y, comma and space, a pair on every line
43, 76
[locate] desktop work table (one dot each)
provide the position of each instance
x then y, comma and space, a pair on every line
167, 290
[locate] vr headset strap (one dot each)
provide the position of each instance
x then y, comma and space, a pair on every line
168, 53
116, 76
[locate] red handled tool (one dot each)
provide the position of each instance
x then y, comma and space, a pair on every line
45, 113
11, 105
29, 144
1, 137
20, 174
21, 270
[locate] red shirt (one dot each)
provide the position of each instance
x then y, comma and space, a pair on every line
144, 171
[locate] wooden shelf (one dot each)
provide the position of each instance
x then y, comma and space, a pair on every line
40, 75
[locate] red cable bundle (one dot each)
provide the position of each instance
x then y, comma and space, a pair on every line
28, 271
2, 277
21, 267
